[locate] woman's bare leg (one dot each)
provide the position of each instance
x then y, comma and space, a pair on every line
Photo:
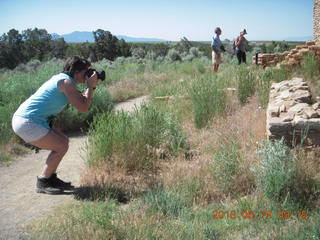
58, 144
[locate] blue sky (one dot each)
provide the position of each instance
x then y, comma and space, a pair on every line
165, 19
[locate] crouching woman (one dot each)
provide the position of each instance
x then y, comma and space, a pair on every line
30, 120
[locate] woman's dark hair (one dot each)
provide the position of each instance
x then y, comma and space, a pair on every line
75, 63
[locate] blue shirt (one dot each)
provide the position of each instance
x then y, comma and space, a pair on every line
46, 101
216, 43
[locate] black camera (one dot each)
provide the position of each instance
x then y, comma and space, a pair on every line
101, 75
222, 48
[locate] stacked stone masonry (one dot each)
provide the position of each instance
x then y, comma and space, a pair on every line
288, 59
316, 21
290, 113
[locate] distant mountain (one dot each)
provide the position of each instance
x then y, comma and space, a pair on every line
88, 37
299, 39
135, 39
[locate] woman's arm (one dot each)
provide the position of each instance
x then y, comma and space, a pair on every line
238, 41
79, 100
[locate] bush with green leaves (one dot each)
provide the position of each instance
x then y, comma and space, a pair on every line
135, 140
138, 53
173, 55
275, 174
208, 98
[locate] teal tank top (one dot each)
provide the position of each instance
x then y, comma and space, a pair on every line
46, 101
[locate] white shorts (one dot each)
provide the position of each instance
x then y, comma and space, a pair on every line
216, 58
27, 129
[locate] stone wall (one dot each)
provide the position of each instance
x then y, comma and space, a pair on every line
288, 59
290, 113
316, 21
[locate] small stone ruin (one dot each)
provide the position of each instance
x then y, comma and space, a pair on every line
288, 59
291, 113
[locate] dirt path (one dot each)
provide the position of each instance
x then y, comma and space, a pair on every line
19, 203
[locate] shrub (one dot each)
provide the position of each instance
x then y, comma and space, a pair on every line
173, 55
277, 169
208, 99
138, 53
195, 52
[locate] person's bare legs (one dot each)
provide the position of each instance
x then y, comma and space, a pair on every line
215, 67
58, 144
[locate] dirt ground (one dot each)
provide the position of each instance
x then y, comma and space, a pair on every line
19, 202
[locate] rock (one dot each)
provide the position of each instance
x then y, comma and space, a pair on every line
273, 111
298, 107
290, 113
316, 106
288, 117
283, 108
310, 112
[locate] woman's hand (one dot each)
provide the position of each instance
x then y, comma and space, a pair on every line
93, 80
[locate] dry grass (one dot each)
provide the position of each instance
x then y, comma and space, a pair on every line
125, 89
103, 181
245, 125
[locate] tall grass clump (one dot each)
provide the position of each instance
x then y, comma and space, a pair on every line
310, 66
225, 165
208, 99
263, 87
246, 80
276, 170
136, 140
279, 74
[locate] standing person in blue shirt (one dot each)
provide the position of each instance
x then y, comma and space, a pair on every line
240, 45
30, 120
217, 48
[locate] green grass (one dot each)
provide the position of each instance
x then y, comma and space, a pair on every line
225, 166
310, 66
208, 99
277, 170
246, 83
133, 141
4, 158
